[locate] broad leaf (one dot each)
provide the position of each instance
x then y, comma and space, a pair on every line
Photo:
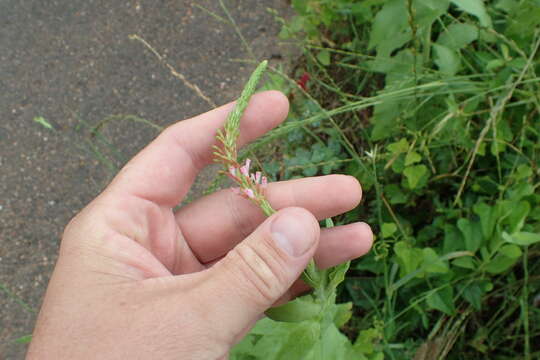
446, 59
458, 36
476, 8
414, 174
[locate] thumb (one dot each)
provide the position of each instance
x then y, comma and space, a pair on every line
259, 270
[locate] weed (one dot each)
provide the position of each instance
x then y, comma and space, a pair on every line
433, 105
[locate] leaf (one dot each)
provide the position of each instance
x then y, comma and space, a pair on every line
518, 214
473, 293
442, 300
395, 194
278, 340
388, 229
26, 339
398, 147
409, 258
336, 275
487, 216
446, 59
522, 238
41, 120
458, 36
432, 262
300, 309
414, 174
472, 233
412, 158
506, 257
475, 8
324, 57
391, 19
465, 262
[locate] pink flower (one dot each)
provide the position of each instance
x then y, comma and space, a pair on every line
249, 193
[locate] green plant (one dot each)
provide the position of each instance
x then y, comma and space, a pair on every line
434, 105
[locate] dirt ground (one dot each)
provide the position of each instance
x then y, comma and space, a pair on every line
72, 63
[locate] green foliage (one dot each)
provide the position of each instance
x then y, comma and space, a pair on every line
434, 106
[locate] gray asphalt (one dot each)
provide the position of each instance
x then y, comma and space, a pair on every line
72, 63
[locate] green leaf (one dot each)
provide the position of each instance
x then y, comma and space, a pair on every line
517, 216
41, 120
409, 258
432, 262
506, 257
324, 57
395, 194
388, 229
412, 158
391, 19
475, 8
472, 233
487, 216
398, 147
300, 309
446, 59
442, 300
336, 275
473, 293
522, 238
26, 339
458, 36
414, 174
465, 262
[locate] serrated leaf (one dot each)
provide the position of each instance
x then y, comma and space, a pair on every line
476, 8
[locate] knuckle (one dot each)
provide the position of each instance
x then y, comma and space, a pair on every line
262, 272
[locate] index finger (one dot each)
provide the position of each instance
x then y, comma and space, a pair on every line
164, 171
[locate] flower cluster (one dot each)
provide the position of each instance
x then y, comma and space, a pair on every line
252, 186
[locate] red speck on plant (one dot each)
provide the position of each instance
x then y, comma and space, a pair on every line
302, 82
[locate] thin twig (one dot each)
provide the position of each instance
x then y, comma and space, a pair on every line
495, 112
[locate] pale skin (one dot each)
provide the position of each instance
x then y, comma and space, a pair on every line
136, 280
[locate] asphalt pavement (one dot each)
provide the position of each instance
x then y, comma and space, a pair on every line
67, 66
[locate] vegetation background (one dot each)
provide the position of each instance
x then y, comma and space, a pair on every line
434, 105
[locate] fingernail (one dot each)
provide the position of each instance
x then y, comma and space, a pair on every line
292, 234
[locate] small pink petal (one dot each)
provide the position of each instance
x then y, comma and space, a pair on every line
244, 171
264, 182
258, 177
249, 193
248, 163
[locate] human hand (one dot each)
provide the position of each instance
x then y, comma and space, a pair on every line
135, 280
